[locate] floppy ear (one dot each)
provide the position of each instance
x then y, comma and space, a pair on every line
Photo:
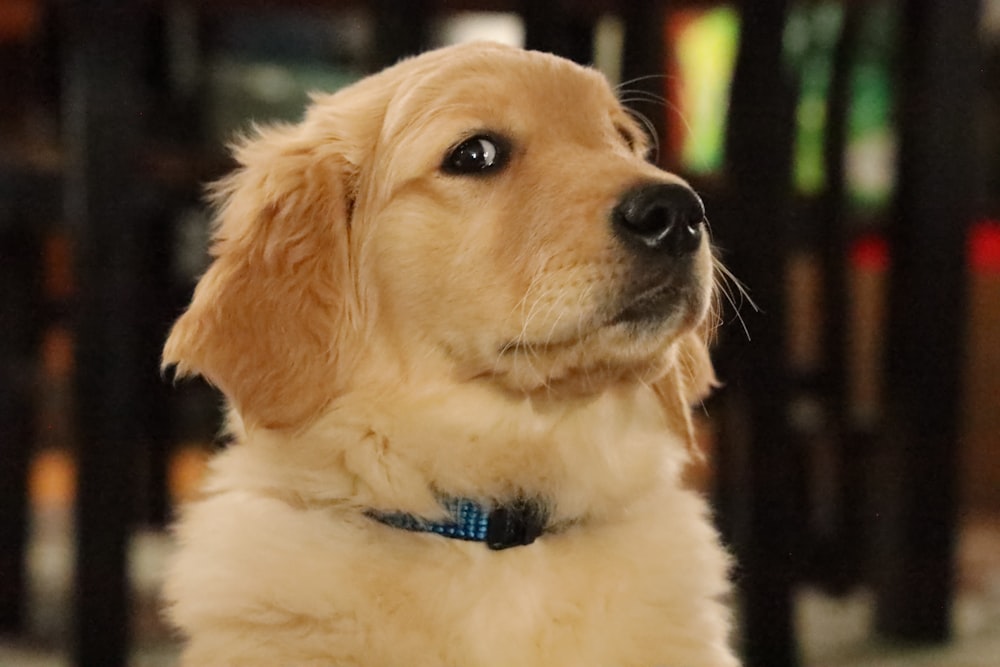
689, 380
269, 319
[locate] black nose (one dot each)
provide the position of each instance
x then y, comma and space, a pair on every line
665, 217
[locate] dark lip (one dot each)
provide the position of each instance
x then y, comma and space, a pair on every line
650, 306
658, 300
514, 347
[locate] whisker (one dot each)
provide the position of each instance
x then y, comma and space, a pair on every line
650, 129
648, 97
582, 299
554, 305
521, 305
729, 282
643, 96
631, 82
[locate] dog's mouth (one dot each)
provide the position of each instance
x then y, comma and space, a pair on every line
652, 306
650, 311
625, 341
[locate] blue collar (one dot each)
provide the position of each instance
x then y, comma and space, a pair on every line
515, 524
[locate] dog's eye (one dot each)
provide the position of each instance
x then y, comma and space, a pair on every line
478, 155
626, 137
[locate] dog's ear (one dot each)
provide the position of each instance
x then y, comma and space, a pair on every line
269, 319
688, 381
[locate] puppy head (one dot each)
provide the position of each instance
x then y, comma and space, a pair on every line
478, 213
518, 231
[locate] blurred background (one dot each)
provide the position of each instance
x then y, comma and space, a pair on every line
849, 155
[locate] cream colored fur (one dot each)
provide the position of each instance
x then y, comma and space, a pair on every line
385, 333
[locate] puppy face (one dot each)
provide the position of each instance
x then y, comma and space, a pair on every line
475, 214
495, 238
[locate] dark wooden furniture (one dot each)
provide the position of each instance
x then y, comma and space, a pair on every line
897, 485
939, 186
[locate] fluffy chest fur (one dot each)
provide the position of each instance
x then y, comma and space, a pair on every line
281, 565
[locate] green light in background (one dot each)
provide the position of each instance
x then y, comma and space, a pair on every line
705, 45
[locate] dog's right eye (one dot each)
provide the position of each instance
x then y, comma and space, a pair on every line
480, 154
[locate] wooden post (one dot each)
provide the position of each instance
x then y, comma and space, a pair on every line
551, 27
935, 202
643, 63
401, 28
759, 467
103, 55
20, 299
838, 551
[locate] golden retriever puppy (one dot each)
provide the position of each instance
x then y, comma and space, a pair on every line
459, 321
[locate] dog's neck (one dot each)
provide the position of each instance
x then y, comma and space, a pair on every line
588, 460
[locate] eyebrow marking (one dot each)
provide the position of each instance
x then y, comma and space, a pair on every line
627, 136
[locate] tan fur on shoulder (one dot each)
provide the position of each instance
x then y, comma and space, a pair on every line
389, 329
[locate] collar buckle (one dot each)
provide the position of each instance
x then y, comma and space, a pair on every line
515, 525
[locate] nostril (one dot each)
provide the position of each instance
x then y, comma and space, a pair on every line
667, 217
